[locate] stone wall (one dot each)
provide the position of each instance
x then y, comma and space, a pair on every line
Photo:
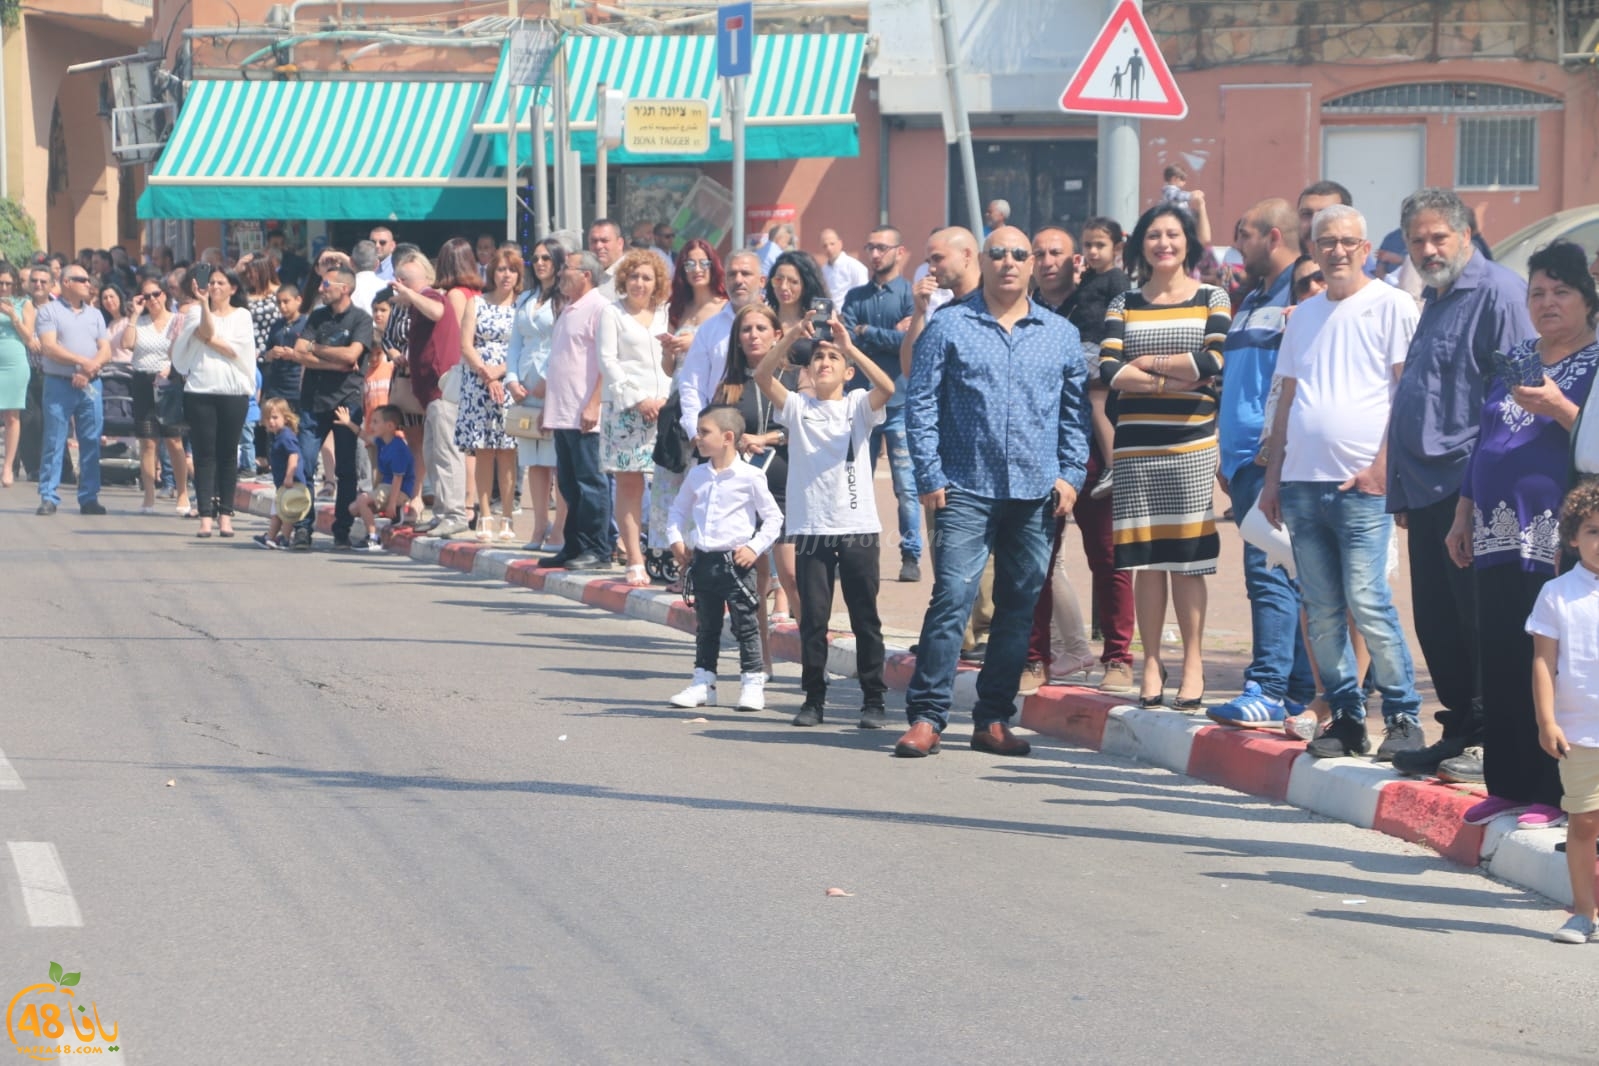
1197, 34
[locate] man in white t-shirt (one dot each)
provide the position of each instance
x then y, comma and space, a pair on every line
840, 270
1341, 357
832, 510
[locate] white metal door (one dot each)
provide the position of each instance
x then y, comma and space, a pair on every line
1379, 165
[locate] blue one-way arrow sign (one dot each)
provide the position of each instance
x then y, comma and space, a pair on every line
735, 39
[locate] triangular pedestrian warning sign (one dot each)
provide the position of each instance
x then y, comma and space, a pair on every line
1124, 73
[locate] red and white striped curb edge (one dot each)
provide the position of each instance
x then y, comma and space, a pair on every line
1256, 762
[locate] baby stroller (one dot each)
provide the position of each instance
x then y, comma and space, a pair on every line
119, 450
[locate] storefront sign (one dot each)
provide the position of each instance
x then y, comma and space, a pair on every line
758, 218
663, 127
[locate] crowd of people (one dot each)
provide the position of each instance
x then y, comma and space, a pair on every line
667, 406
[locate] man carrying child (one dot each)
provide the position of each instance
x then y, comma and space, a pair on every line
832, 510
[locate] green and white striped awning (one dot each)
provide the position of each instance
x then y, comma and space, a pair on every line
328, 150
800, 94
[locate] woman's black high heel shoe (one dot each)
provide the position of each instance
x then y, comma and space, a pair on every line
1159, 698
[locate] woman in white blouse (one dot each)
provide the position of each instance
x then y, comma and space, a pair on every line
149, 338
636, 385
524, 380
215, 352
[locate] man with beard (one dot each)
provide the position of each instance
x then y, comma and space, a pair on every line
1473, 307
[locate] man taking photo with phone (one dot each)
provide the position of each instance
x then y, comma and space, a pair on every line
877, 315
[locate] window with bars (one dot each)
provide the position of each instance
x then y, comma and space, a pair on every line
1496, 152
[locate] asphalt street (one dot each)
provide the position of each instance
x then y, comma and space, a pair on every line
336, 808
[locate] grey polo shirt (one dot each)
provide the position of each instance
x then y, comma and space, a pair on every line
1432, 425
79, 332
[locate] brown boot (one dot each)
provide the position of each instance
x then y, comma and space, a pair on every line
919, 740
995, 738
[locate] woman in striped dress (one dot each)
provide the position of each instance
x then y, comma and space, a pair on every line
1162, 357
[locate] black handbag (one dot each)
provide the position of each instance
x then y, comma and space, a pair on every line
672, 449
169, 402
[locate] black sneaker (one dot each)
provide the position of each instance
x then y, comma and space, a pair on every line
46, 508
909, 568
1402, 734
1344, 736
1423, 762
342, 544
871, 716
810, 712
94, 507
301, 541
1465, 768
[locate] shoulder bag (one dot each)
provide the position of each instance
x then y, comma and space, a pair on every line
672, 448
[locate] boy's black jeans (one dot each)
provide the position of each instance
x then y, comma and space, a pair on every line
718, 584
851, 560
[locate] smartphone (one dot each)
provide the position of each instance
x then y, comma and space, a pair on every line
822, 309
201, 273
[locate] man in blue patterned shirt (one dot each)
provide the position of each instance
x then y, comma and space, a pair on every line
998, 423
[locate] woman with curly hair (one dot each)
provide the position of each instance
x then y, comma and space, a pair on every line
636, 386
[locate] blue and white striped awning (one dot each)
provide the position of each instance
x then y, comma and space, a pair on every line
328, 150
800, 93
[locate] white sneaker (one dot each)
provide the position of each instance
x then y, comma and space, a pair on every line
752, 691
446, 528
701, 692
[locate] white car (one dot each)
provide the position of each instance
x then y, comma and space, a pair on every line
1579, 224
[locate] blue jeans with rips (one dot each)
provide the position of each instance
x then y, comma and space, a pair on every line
892, 433
969, 528
1279, 663
1341, 554
83, 407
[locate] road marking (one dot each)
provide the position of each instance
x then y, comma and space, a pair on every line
9, 781
45, 891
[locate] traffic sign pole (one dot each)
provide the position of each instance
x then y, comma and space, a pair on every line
602, 158
735, 54
735, 88
963, 127
1120, 157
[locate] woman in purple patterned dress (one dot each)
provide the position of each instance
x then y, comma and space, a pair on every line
1506, 525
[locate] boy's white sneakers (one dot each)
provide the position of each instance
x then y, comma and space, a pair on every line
701, 692
752, 691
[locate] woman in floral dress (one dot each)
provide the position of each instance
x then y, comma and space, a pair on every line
480, 428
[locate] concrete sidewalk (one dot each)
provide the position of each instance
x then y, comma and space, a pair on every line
1257, 762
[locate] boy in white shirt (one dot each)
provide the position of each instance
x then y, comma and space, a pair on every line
832, 509
735, 520
1565, 696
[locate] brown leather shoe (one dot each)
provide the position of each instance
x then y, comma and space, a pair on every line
919, 740
995, 738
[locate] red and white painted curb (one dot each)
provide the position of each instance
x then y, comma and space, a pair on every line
1257, 762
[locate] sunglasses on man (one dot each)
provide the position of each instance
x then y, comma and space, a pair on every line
1021, 255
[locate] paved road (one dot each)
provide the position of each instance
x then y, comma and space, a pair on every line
418, 818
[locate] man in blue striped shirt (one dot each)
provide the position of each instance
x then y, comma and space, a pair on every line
998, 421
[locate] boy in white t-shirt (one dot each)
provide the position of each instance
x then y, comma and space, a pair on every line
1565, 696
832, 509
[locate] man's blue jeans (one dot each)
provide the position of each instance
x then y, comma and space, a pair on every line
314, 429
1279, 663
969, 527
1341, 555
62, 403
892, 431
586, 492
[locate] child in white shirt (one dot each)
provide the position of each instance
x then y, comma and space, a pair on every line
736, 520
1565, 694
832, 510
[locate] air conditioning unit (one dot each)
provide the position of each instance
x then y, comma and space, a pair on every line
140, 119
